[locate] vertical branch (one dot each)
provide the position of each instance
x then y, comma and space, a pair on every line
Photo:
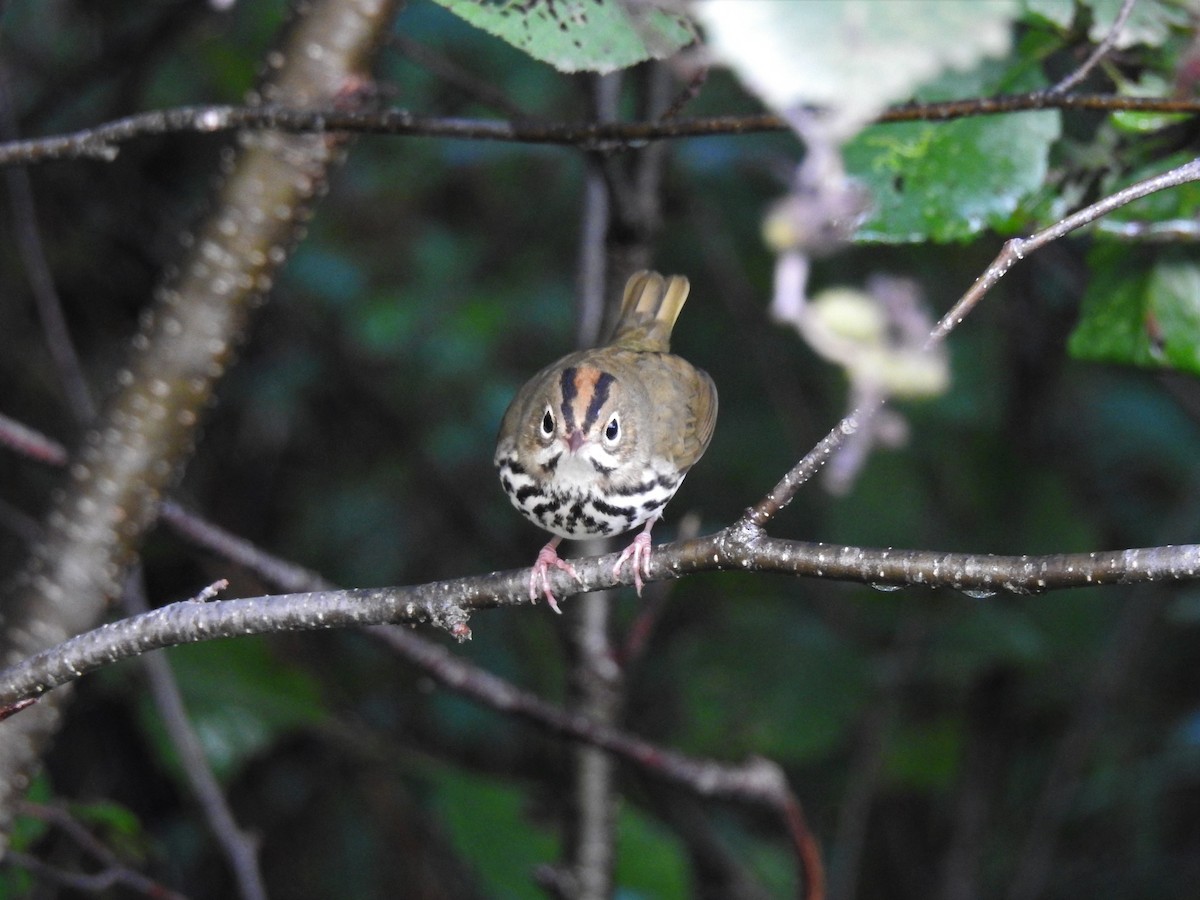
199, 314
239, 847
621, 218
863, 782
595, 685
1035, 865
41, 282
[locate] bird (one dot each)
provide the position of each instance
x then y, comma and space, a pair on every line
597, 443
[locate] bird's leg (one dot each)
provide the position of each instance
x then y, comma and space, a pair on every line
540, 576
639, 552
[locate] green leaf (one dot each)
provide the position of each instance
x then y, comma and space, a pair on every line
117, 826
1140, 312
979, 637
924, 756
946, 181
823, 679
650, 858
580, 35
491, 825
1151, 84
852, 57
239, 698
474, 811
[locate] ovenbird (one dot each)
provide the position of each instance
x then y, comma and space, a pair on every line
596, 443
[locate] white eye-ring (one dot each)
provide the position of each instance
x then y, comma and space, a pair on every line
548, 423
612, 431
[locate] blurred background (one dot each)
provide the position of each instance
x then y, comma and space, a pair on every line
941, 745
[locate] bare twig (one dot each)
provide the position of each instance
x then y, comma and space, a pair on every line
31, 443
240, 848
41, 281
757, 781
1013, 251
1035, 863
1098, 53
113, 874
103, 141
461, 79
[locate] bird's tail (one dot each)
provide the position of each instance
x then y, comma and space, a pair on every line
648, 311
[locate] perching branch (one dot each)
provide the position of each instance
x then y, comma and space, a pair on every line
742, 546
448, 604
103, 141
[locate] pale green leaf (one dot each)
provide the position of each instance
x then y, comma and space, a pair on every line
580, 35
1149, 23
853, 57
1057, 12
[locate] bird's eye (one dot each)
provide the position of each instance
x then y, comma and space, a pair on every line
548, 423
612, 431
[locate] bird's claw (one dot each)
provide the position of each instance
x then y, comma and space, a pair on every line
539, 578
639, 553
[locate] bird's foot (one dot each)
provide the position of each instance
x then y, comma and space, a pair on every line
539, 578
639, 553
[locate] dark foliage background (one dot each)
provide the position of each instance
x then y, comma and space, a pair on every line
921, 730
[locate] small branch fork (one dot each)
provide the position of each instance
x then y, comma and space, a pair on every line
1013, 251
103, 141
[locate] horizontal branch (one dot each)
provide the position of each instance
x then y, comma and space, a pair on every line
102, 141
447, 604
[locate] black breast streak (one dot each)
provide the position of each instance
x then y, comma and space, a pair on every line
618, 512
530, 490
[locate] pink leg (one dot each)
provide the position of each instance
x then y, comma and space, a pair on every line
639, 552
538, 578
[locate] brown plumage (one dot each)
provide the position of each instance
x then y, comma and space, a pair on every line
596, 443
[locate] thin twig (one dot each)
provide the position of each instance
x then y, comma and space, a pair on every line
41, 280
1014, 250
103, 141
114, 872
1035, 865
239, 847
1100, 51
757, 781
474, 86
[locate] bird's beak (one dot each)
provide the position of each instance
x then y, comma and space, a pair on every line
574, 441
